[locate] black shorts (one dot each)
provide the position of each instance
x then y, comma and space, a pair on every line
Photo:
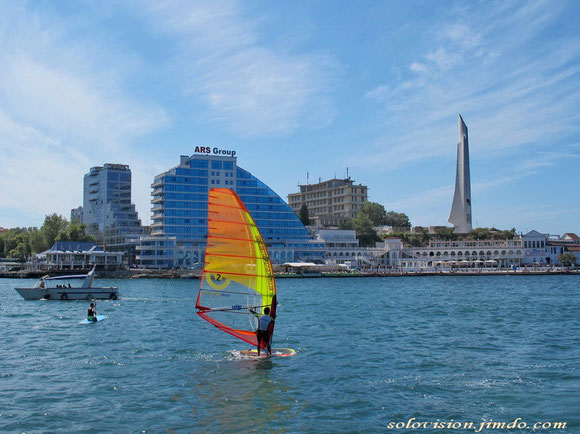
263, 335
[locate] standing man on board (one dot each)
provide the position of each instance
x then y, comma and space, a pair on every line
263, 332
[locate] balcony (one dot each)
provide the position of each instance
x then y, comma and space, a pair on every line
154, 257
157, 200
158, 183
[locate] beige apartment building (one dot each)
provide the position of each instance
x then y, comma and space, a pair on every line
331, 202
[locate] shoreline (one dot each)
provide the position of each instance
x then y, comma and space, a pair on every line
189, 274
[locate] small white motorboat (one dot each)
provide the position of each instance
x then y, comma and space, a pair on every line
76, 287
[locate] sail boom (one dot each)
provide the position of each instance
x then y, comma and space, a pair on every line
241, 310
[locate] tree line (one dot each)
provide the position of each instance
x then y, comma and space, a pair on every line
20, 243
373, 214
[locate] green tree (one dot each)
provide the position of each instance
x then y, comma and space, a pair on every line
365, 231
304, 215
567, 259
403, 236
425, 237
22, 242
444, 233
415, 240
74, 232
16, 244
376, 213
36, 240
480, 234
53, 224
21, 252
502, 235
397, 219
11, 239
347, 225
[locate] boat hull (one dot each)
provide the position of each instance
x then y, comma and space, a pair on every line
94, 293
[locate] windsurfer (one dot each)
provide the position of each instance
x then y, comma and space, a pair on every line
263, 332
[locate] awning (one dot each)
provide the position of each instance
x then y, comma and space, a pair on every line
300, 264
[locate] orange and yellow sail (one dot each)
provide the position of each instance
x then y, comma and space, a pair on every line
237, 276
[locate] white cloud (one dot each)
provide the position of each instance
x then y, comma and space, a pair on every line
426, 197
379, 93
418, 67
515, 99
543, 160
63, 104
80, 108
38, 173
443, 58
460, 34
223, 59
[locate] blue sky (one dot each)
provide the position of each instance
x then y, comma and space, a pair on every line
311, 86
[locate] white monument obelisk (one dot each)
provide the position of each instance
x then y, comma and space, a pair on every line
460, 215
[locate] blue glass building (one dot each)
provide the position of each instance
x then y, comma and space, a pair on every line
180, 201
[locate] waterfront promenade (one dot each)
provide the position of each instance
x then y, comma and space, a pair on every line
196, 274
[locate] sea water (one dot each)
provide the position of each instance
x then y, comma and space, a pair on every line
373, 355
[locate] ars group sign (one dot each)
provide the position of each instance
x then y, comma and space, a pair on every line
214, 151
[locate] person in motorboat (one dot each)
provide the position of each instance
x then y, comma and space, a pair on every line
92, 313
263, 334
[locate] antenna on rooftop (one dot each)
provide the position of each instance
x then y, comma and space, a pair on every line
307, 178
347, 172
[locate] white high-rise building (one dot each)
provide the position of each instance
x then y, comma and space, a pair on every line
460, 215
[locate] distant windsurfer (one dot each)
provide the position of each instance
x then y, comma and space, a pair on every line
263, 332
92, 314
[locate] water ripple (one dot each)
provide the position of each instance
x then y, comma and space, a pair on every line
369, 351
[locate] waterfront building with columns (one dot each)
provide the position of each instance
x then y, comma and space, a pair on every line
465, 254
